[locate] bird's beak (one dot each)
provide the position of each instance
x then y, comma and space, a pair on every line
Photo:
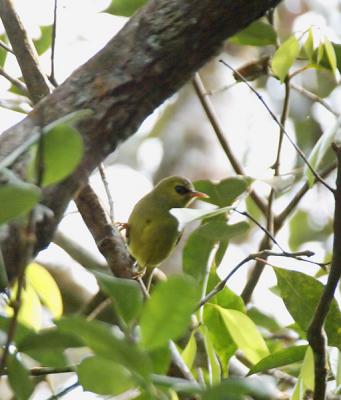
198, 195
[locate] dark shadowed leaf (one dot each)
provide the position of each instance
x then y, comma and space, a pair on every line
125, 293
256, 34
301, 294
19, 378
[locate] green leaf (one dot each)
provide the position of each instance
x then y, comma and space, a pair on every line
285, 57
3, 52
320, 149
45, 286
100, 337
214, 365
244, 333
103, 376
189, 352
256, 34
196, 256
305, 380
44, 42
309, 45
219, 335
263, 320
225, 298
3, 274
161, 359
125, 293
47, 339
21, 330
220, 230
239, 389
31, 311
337, 50
224, 192
331, 56
19, 378
301, 294
124, 7
62, 148
162, 317
17, 197
280, 358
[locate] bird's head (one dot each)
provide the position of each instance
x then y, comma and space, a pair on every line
176, 192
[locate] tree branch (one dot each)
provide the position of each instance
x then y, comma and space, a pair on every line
144, 64
316, 335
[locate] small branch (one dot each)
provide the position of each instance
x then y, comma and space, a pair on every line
213, 118
265, 230
314, 97
15, 82
64, 391
298, 150
5, 47
24, 50
108, 239
316, 335
78, 253
107, 191
279, 220
53, 44
261, 254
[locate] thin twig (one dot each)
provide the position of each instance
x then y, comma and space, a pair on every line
53, 44
316, 335
25, 52
5, 47
218, 130
102, 306
15, 82
260, 226
64, 391
261, 254
314, 97
298, 150
107, 191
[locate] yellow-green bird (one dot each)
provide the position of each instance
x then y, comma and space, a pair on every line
152, 230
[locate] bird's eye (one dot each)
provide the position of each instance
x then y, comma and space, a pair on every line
181, 189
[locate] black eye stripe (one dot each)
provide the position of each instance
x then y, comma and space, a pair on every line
181, 189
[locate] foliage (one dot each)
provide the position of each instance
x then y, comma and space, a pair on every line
184, 338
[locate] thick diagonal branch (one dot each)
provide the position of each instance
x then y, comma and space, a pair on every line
156, 52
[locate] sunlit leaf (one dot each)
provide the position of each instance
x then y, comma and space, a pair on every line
19, 196
330, 52
301, 294
256, 34
189, 352
45, 286
305, 380
62, 149
124, 7
214, 365
285, 57
103, 376
44, 42
309, 44
166, 314
125, 293
280, 358
244, 333
31, 311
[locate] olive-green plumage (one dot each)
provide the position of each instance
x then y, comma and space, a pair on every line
152, 229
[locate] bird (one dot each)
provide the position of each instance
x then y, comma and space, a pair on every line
152, 231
